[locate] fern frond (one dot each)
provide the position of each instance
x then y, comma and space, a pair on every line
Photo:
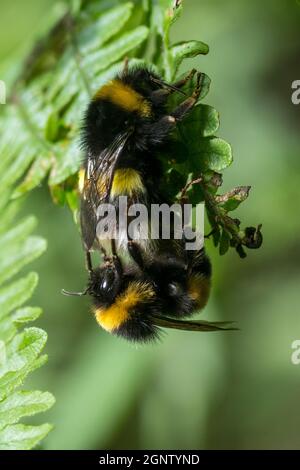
20, 349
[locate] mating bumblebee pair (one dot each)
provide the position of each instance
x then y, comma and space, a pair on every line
126, 126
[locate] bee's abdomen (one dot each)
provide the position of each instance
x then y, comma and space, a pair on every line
199, 290
127, 182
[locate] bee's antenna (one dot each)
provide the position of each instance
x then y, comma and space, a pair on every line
167, 85
78, 294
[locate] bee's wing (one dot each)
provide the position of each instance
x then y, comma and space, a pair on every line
88, 216
98, 178
192, 325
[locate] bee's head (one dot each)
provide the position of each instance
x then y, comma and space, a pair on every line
104, 284
142, 80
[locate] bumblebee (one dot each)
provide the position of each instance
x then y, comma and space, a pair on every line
124, 127
137, 300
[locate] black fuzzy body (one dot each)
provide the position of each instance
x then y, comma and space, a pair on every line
104, 121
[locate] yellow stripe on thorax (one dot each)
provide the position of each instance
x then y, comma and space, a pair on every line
124, 96
199, 289
127, 181
113, 317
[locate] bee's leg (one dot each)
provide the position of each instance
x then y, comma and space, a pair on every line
183, 199
184, 80
103, 253
77, 294
117, 262
169, 88
118, 268
89, 267
136, 254
88, 261
184, 107
165, 125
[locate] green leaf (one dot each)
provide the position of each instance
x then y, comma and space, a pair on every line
164, 14
20, 353
18, 256
103, 58
22, 356
26, 314
7, 329
8, 215
224, 242
232, 199
94, 35
17, 168
21, 437
211, 153
185, 50
35, 175
67, 164
13, 379
18, 233
25, 347
52, 127
203, 121
14, 295
21, 404
2, 353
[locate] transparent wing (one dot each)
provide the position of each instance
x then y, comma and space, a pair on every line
98, 178
193, 325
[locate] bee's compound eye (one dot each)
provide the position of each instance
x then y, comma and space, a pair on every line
107, 280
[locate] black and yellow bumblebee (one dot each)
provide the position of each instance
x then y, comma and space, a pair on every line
135, 302
125, 126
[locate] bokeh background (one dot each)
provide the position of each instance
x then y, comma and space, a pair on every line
236, 390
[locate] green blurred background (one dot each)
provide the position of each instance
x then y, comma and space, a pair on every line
235, 390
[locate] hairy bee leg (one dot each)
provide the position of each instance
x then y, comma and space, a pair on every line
116, 259
168, 89
190, 102
135, 252
104, 253
167, 123
164, 126
184, 80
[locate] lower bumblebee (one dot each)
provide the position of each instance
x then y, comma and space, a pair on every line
151, 293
